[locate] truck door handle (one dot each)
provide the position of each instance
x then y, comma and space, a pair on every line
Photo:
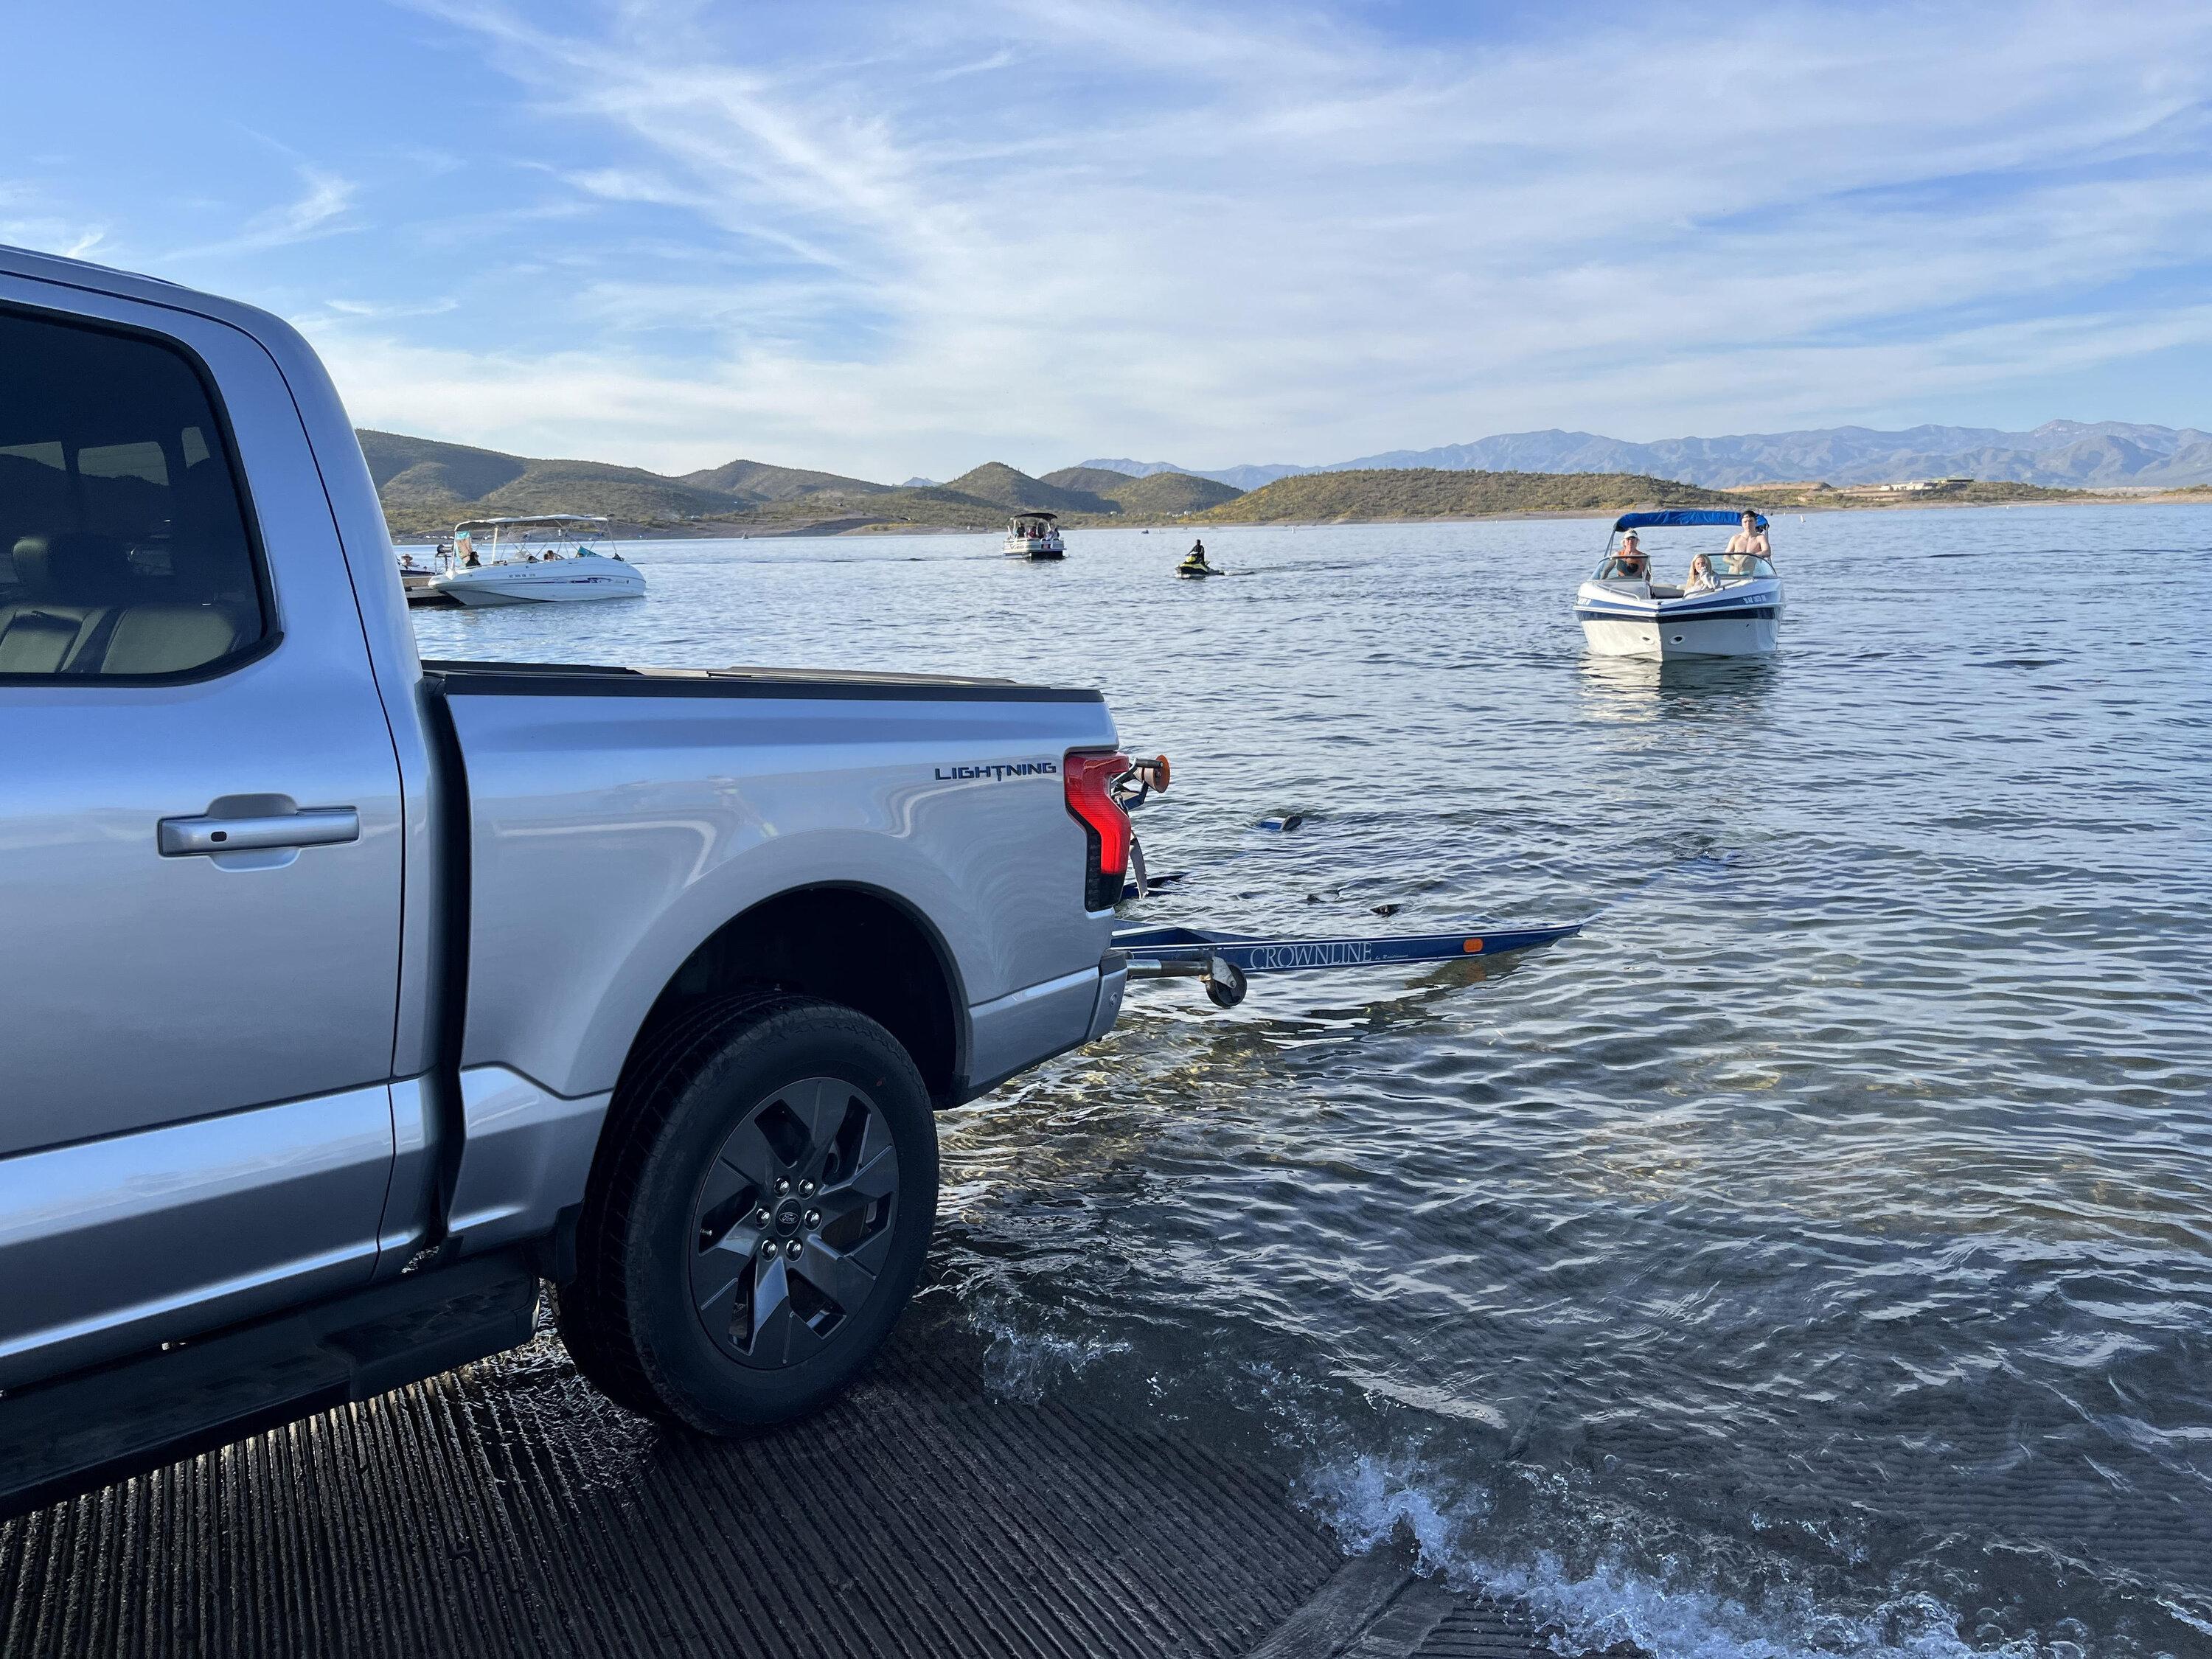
318, 826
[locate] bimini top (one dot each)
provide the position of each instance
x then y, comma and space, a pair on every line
546, 518
1024, 513
1683, 515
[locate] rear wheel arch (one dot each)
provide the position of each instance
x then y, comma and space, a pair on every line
846, 942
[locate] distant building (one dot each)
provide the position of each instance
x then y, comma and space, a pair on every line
1916, 486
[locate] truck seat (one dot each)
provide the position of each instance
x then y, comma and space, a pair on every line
206, 608
168, 638
70, 585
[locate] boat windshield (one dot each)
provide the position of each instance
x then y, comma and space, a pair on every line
1726, 567
526, 542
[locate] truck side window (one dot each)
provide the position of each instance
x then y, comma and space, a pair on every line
123, 544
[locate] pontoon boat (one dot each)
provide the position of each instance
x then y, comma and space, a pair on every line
538, 560
1732, 608
1034, 535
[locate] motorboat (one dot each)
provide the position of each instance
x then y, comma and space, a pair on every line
1034, 535
545, 559
1728, 605
415, 577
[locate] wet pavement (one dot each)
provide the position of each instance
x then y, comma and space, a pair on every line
507, 1509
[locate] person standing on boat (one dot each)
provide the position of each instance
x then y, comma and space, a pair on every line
1752, 538
1628, 563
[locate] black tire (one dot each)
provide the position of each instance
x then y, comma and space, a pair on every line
731, 1100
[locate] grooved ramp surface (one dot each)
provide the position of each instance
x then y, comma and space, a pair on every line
506, 1510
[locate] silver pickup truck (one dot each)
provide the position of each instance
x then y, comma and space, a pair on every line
348, 999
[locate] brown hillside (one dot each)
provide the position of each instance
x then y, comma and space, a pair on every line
1428, 492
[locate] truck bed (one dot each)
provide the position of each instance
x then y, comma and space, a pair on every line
550, 679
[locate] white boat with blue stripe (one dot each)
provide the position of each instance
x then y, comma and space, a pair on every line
1730, 604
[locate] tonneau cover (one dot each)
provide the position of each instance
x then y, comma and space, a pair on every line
540, 679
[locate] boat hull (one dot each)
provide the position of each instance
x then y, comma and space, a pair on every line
1737, 621
566, 582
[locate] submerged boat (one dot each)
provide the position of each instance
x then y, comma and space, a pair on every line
1729, 605
534, 560
1034, 535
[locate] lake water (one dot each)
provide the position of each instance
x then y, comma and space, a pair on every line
1815, 1255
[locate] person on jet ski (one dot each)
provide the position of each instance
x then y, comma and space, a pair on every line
1194, 560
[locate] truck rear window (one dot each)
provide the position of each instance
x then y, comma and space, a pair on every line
123, 548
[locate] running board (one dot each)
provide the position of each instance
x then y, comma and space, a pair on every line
1223, 960
88, 1429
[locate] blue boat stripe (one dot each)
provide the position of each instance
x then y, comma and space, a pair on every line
1747, 613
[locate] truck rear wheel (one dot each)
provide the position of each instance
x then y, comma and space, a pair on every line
757, 1217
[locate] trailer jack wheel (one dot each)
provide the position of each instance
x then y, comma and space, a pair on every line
1225, 983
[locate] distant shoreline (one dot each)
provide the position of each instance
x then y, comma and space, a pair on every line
427, 486
845, 527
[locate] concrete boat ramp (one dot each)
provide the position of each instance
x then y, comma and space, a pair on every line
507, 1509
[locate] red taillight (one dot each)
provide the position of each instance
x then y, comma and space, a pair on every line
1089, 781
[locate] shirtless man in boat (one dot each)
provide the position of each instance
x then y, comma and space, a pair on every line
1749, 540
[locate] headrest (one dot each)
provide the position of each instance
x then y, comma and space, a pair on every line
74, 567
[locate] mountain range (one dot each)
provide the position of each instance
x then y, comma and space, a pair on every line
427, 486
2075, 454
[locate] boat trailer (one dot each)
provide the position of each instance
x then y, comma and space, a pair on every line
1226, 961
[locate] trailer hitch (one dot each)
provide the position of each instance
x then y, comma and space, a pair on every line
1224, 981
1143, 779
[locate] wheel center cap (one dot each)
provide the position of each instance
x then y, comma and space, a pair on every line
786, 1216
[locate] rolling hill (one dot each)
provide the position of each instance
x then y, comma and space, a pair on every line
1433, 493
1002, 486
1160, 493
426, 486
756, 481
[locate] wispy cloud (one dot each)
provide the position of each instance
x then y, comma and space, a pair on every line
1039, 229
28, 218
319, 209
388, 311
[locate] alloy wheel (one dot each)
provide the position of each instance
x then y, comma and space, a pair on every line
792, 1223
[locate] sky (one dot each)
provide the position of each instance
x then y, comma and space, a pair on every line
906, 238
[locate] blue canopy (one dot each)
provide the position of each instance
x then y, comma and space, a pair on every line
1681, 515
